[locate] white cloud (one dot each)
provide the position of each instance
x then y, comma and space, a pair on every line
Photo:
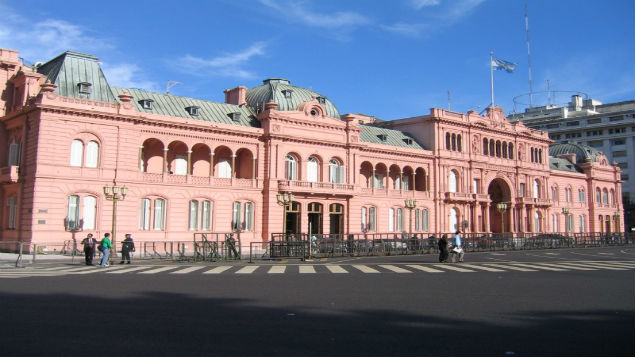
437, 16
418, 4
128, 76
338, 24
227, 65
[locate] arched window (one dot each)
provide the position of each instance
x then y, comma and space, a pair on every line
554, 194
372, 219
540, 156
200, 212
510, 150
492, 148
605, 197
537, 222
504, 150
92, 154
243, 216
447, 142
533, 156
88, 213
291, 169
611, 200
453, 221
498, 149
536, 189
336, 171
485, 147
598, 196
569, 194
452, 178
312, 170
417, 219
581, 196
453, 142
458, 143
77, 152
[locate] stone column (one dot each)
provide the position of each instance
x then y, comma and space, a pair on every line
486, 218
211, 164
165, 160
189, 162
140, 159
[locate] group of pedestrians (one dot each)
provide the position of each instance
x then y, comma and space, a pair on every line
455, 247
105, 247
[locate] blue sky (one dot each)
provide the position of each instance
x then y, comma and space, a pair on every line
390, 59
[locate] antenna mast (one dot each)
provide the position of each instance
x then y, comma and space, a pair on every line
169, 85
449, 99
531, 86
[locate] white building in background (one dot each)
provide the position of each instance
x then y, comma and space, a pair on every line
609, 128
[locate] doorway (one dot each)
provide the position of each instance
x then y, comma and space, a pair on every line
336, 216
315, 218
292, 220
499, 220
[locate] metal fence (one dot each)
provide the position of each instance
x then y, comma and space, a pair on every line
217, 246
370, 244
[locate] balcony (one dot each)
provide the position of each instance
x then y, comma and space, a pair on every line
543, 202
197, 180
459, 196
9, 174
315, 187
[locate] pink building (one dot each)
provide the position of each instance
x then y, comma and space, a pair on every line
193, 166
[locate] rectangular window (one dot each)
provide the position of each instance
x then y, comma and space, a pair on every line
620, 153
363, 219
77, 153
144, 215
236, 222
581, 196
573, 123
619, 142
476, 185
616, 118
417, 220
399, 220
206, 217
14, 154
193, 215
248, 224
594, 121
582, 227
426, 220
159, 215
12, 204
379, 180
72, 214
521, 190
90, 206
372, 219
92, 154
391, 220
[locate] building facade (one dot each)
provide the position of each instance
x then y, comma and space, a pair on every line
608, 128
191, 166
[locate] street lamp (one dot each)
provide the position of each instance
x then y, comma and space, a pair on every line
565, 211
410, 205
114, 194
284, 199
502, 208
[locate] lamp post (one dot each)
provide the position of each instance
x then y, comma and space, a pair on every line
565, 211
410, 205
284, 199
114, 194
502, 208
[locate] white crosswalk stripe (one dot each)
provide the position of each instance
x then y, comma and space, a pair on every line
277, 269
365, 269
455, 268
187, 270
567, 266
127, 270
336, 269
482, 267
510, 267
217, 270
539, 267
307, 269
248, 269
607, 266
424, 268
158, 270
395, 269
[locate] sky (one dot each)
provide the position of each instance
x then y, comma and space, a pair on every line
389, 59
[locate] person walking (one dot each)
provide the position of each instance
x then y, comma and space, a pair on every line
127, 246
457, 247
443, 249
89, 248
104, 246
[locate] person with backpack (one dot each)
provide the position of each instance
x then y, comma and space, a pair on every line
89, 248
104, 248
127, 246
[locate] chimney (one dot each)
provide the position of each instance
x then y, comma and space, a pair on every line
236, 96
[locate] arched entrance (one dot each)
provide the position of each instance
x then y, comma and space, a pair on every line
500, 206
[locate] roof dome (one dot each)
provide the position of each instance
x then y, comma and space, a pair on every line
288, 97
582, 152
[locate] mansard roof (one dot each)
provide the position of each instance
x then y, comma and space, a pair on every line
70, 69
582, 152
373, 134
559, 164
276, 89
175, 106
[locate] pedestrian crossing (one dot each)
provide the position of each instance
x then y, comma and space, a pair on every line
329, 268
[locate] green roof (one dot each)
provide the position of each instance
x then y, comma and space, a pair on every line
582, 152
276, 89
175, 106
556, 163
70, 69
376, 135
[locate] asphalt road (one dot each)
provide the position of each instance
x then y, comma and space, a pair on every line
561, 313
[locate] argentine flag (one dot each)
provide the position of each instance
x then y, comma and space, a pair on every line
507, 66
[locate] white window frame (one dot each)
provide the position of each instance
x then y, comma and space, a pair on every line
224, 168
536, 189
144, 215
77, 153
193, 221
248, 220
291, 167
92, 154
425, 219
72, 212
89, 212
206, 216
453, 220
159, 214
391, 220
312, 169
236, 217
417, 219
363, 220
452, 181
372, 219
582, 223
400, 220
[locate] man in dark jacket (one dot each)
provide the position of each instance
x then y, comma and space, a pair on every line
127, 246
443, 249
89, 248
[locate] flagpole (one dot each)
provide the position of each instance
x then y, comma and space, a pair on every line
491, 73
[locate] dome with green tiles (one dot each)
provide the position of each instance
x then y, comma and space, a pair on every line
288, 97
582, 152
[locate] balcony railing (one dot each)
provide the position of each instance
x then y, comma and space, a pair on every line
459, 196
306, 186
533, 201
197, 180
9, 174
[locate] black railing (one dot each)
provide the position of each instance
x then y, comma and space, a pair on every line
302, 245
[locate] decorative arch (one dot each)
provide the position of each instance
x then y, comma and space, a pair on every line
366, 174
151, 160
201, 160
244, 164
223, 158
